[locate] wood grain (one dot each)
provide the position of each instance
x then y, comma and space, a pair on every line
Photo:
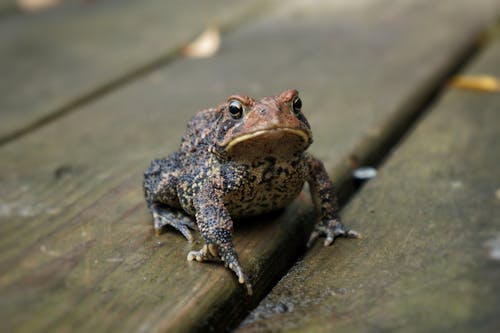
54, 60
77, 250
430, 260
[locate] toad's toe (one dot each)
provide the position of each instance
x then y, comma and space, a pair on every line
331, 230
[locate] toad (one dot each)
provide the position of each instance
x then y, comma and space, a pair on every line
244, 158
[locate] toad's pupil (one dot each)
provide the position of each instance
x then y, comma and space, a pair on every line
297, 104
235, 109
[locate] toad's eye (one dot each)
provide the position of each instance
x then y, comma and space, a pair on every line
297, 105
235, 109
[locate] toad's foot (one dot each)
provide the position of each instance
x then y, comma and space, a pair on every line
206, 253
331, 229
210, 253
176, 219
242, 278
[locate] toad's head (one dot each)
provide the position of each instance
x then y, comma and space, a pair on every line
271, 126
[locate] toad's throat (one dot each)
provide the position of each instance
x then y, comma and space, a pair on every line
250, 136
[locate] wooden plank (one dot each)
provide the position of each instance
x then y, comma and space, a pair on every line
7, 7
430, 260
55, 59
77, 249
20, 7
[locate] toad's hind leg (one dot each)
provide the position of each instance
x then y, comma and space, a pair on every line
163, 216
160, 191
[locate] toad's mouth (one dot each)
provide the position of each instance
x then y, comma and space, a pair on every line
273, 135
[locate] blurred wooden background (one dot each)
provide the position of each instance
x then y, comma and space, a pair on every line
91, 91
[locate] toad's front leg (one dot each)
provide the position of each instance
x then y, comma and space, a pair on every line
325, 202
216, 227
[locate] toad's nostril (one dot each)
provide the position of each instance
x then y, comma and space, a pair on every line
263, 110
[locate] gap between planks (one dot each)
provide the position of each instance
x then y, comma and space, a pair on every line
126, 78
372, 150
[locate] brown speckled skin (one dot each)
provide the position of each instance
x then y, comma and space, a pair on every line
242, 164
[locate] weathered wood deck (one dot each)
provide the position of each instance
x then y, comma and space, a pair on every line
431, 258
91, 92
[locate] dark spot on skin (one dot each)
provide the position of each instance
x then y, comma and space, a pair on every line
325, 192
271, 160
287, 172
257, 164
268, 175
